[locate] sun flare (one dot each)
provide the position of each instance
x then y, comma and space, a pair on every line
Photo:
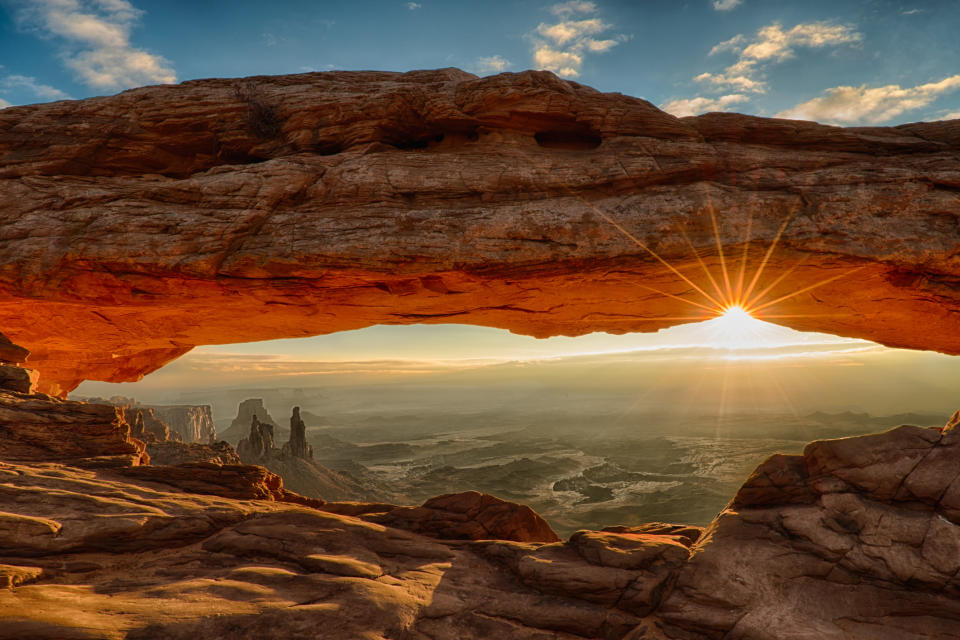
737, 329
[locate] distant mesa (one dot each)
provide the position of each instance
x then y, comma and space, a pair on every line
293, 461
240, 427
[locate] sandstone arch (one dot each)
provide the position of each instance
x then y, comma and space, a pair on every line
137, 226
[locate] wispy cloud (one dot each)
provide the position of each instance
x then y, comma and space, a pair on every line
700, 104
95, 37
4, 104
726, 5
413, 6
869, 105
911, 12
42, 92
562, 46
770, 45
491, 64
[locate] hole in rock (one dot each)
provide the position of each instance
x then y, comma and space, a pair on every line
592, 431
573, 140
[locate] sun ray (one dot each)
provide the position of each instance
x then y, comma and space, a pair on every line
743, 262
643, 246
770, 250
703, 265
810, 288
712, 310
760, 296
655, 318
723, 262
653, 253
763, 316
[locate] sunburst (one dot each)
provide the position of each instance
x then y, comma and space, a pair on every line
734, 298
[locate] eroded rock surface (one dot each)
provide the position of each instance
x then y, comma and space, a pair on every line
192, 423
294, 461
41, 428
858, 538
472, 515
233, 210
174, 453
297, 446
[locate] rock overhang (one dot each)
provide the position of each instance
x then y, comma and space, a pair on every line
140, 225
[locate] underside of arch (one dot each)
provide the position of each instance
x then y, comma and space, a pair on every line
137, 226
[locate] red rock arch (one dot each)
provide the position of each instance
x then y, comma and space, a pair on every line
140, 225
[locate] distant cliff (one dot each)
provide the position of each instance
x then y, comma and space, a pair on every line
194, 423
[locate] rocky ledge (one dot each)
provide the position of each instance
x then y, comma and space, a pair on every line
136, 226
856, 539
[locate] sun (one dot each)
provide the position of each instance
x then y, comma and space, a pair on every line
736, 329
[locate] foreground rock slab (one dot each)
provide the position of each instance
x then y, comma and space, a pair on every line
856, 539
103, 556
137, 226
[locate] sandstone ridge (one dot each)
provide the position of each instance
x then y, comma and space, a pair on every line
137, 226
855, 539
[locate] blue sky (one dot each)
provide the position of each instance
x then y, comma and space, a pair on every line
844, 62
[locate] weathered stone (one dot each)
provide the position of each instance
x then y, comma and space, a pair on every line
258, 445
174, 453
298, 446
148, 552
11, 353
471, 516
858, 538
241, 482
269, 207
145, 425
240, 426
191, 423
14, 378
682, 533
38, 428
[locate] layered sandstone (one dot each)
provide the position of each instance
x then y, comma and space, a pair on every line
139, 225
855, 539
192, 423
38, 428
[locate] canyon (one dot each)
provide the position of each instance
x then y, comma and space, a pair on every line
137, 226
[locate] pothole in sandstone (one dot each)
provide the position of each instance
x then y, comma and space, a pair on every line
590, 431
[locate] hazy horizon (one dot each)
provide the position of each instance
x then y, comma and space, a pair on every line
763, 368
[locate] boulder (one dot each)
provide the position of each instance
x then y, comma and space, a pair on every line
471, 516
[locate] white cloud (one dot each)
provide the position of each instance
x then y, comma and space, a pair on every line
96, 36
561, 47
733, 44
413, 6
491, 64
42, 91
694, 106
772, 44
4, 104
953, 115
911, 12
565, 9
564, 63
726, 5
869, 105
571, 30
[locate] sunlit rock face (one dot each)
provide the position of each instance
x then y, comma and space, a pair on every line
137, 226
